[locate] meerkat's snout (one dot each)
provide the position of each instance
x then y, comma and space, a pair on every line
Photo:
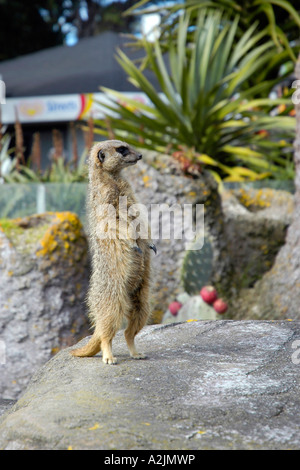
133, 158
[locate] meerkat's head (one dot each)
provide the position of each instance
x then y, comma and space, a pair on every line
113, 156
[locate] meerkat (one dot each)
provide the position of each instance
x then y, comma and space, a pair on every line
120, 278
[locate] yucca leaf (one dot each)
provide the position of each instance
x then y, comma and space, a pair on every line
207, 100
268, 10
134, 7
286, 43
135, 103
263, 102
241, 151
145, 85
246, 43
227, 47
285, 5
207, 160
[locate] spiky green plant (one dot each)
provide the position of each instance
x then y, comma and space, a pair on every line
60, 171
197, 267
280, 18
203, 103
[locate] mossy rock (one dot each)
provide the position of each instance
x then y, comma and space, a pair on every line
50, 236
44, 273
256, 200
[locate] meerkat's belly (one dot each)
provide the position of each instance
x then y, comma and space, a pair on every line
119, 264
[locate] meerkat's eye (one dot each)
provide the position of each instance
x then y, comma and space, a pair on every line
123, 151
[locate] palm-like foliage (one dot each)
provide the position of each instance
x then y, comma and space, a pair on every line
281, 18
204, 103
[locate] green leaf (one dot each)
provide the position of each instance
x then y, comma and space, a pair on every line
210, 98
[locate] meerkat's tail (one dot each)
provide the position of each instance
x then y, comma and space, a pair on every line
92, 348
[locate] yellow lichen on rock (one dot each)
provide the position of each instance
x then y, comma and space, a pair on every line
259, 199
59, 237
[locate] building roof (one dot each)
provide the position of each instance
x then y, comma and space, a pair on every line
82, 68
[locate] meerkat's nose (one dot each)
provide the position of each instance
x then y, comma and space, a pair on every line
140, 156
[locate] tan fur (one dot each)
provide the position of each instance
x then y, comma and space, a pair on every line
119, 285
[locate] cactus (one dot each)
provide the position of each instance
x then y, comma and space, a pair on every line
197, 268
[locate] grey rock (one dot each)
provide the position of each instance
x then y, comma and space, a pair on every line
205, 385
275, 293
5, 405
157, 181
42, 309
256, 226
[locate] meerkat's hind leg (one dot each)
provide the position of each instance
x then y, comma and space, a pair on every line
113, 312
107, 355
129, 336
137, 319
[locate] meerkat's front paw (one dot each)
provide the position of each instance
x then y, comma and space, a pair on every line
109, 360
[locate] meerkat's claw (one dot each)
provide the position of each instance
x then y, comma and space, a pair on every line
153, 247
109, 360
137, 248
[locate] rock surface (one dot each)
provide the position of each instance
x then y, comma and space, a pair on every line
157, 181
245, 229
205, 385
276, 294
256, 225
6, 405
44, 273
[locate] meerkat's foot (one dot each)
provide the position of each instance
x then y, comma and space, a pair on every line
134, 353
153, 247
107, 355
137, 355
109, 360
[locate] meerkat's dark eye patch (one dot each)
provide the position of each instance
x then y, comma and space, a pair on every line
123, 151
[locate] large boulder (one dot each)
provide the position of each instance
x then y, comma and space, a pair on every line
44, 272
256, 223
157, 181
244, 230
205, 385
267, 256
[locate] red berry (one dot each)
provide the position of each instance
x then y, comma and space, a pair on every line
220, 306
174, 307
209, 294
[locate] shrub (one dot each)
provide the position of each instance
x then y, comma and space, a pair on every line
206, 101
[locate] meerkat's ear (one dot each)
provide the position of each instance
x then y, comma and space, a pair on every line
101, 156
